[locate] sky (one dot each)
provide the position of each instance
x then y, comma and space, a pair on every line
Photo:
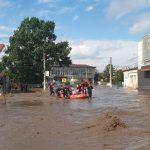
95, 29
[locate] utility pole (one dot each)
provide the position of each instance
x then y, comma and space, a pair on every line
44, 80
86, 73
110, 72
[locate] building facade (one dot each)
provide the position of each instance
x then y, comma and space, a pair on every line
131, 78
75, 72
144, 63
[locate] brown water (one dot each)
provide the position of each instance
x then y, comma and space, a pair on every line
36, 121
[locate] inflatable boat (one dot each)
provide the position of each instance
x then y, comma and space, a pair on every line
78, 96
75, 96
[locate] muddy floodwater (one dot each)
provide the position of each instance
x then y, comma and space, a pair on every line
114, 119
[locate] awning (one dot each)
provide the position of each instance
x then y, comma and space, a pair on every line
145, 68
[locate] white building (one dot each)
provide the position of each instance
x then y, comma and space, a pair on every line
131, 78
144, 63
140, 77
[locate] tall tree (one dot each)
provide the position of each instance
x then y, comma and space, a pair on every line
30, 41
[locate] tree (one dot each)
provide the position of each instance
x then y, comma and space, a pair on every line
106, 73
33, 38
119, 75
96, 77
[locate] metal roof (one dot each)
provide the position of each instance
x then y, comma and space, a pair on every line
78, 66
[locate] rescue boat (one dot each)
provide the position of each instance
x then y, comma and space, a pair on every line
75, 96
78, 96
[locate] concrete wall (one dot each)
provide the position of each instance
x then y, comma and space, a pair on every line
131, 79
140, 54
143, 83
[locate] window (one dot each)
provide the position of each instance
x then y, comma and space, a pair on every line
147, 74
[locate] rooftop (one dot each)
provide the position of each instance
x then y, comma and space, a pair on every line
1, 47
129, 69
78, 66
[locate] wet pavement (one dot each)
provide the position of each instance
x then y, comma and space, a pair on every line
36, 121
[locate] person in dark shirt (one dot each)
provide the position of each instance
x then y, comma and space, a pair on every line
58, 91
65, 92
51, 88
89, 89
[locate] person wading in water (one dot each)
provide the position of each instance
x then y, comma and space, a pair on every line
89, 89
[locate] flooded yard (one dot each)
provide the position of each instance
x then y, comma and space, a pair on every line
114, 119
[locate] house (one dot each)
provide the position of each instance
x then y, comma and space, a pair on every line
131, 78
140, 77
76, 72
2, 46
144, 63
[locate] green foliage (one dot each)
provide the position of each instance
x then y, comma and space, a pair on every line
24, 60
119, 75
106, 73
98, 77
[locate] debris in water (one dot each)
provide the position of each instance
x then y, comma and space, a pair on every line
112, 123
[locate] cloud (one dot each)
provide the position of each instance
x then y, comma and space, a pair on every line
43, 13
4, 3
140, 27
119, 8
76, 17
89, 8
67, 10
6, 29
86, 1
4, 35
141, 24
97, 52
2, 15
58, 27
45, 1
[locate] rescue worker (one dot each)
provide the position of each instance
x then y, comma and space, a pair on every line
89, 89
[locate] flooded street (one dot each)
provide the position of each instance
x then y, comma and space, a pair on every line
36, 121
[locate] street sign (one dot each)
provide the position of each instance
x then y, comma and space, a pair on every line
64, 80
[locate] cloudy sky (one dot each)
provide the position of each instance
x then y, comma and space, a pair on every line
95, 29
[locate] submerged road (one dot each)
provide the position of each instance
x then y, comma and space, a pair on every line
36, 121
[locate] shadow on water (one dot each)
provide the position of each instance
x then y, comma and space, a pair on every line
27, 103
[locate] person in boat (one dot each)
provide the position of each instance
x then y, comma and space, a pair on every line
89, 89
69, 90
79, 88
74, 91
83, 89
65, 92
58, 91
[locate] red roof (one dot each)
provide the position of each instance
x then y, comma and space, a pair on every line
1, 47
